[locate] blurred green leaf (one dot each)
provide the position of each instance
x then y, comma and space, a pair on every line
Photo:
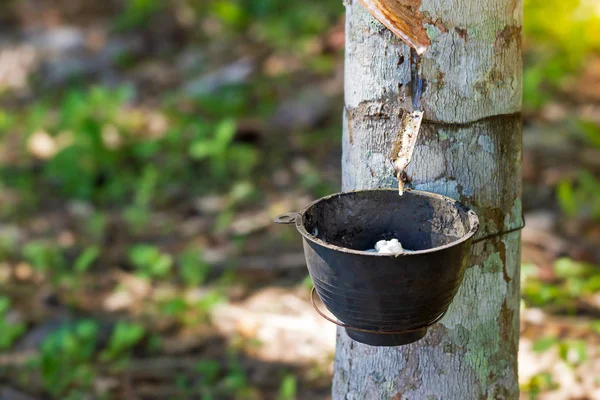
242, 192
591, 131
568, 268
528, 271
209, 371
592, 284
124, 337
210, 300
544, 344
574, 279
193, 270
538, 383
573, 352
137, 218
6, 121
149, 261
217, 147
86, 259
45, 257
230, 13
4, 305
596, 326
307, 283
566, 198
95, 226
137, 12
580, 198
147, 186
174, 306
10, 331
66, 357
288, 388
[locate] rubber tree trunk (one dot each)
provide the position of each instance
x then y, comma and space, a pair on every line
469, 148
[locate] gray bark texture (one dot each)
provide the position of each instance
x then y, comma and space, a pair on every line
469, 149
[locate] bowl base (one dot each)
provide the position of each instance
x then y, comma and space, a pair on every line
377, 339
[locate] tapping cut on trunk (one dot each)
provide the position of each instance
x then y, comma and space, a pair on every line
403, 18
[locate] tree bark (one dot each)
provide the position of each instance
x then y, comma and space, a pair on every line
469, 149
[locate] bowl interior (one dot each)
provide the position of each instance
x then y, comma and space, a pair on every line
357, 220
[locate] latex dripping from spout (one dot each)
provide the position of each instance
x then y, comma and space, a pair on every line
410, 125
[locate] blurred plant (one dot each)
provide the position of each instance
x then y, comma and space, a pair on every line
241, 193
95, 226
236, 381
591, 132
139, 213
539, 383
124, 338
191, 312
215, 380
193, 270
282, 25
218, 150
8, 244
96, 147
307, 283
208, 370
66, 360
153, 343
580, 198
311, 180
544, 344
572, 352
46, 258
10, 331
19, 182
184, 384
215, 147
288, 387
136, 13
244, 344
86, 259
209, 301
224, 220
573, 280
91, 136
150, 262
68, 355
175, 307
595, 326
559, 36
6, 121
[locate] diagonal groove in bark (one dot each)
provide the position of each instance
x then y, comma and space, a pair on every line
497, 117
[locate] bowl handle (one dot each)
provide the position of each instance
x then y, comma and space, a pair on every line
287, 218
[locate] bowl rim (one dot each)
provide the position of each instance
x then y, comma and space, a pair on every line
473, 221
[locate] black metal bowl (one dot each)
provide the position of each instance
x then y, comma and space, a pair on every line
384, 299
